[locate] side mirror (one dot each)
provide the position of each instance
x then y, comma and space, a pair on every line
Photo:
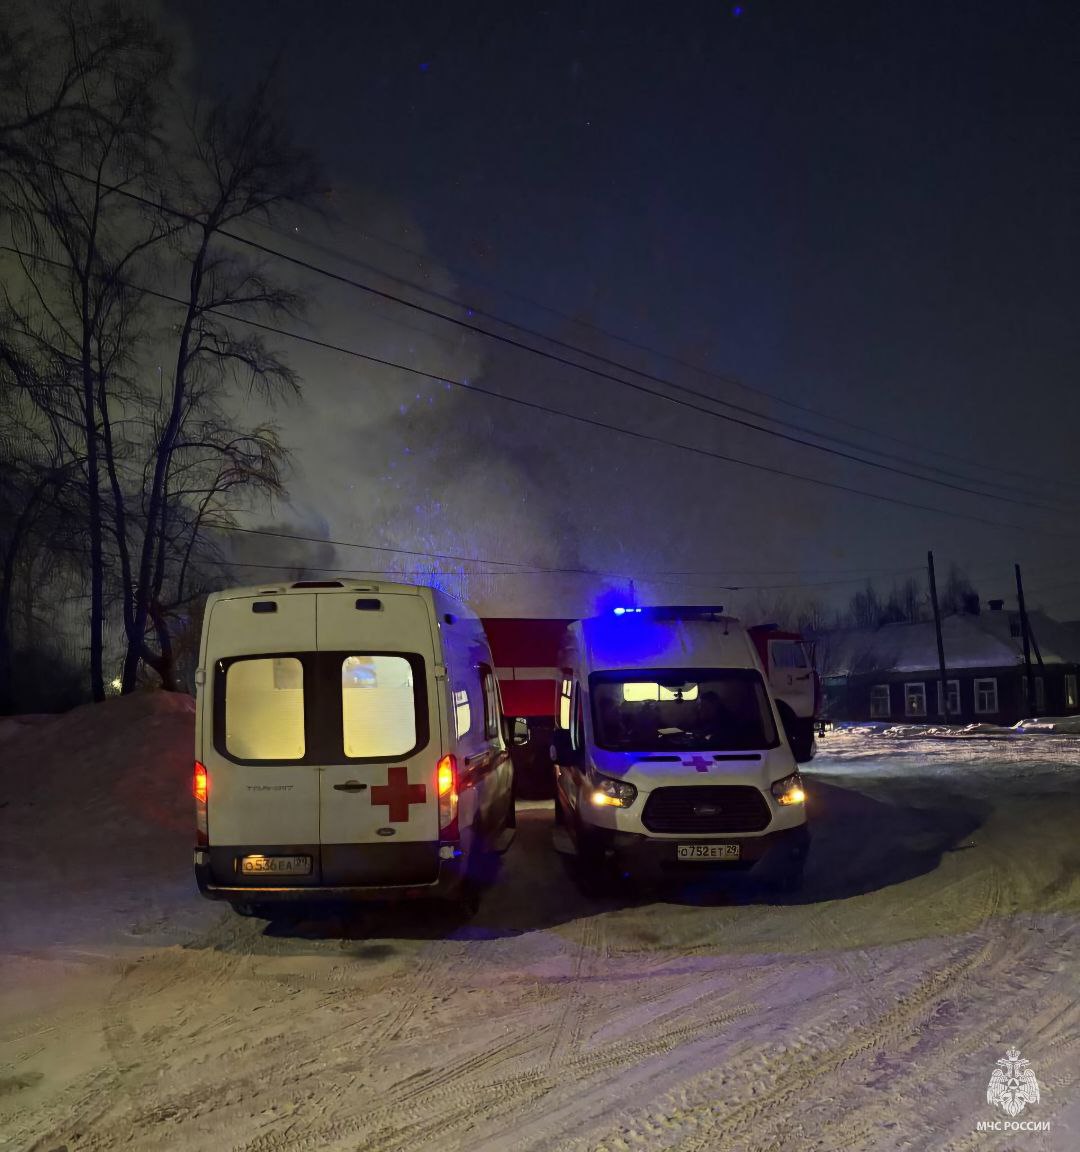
562, 751
519, 733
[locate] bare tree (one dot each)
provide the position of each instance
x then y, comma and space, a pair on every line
76, 236
121, 255
958, 594
242, 168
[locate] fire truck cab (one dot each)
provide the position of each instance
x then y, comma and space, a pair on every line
789, 668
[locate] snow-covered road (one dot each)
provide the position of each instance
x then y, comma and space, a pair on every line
939, 926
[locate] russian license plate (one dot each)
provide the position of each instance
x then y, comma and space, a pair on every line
275, 865
707, 851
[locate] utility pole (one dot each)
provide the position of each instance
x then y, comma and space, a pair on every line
944, 690
1026, 633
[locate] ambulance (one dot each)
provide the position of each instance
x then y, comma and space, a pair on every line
669, 751
349, 744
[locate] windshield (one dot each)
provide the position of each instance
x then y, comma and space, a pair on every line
666, 710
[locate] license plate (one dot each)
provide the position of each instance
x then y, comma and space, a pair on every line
275, 865
707, 851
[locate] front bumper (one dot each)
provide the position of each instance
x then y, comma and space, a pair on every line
375, 872
762, 854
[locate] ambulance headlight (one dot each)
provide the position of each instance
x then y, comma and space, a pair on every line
789, 790
613, 793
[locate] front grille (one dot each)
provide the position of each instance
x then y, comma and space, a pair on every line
710, 808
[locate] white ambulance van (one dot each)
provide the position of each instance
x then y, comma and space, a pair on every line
349, 744
669, 751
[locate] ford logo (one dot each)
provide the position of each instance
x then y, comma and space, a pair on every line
385, 831
707, 810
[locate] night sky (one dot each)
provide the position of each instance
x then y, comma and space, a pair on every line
867, 209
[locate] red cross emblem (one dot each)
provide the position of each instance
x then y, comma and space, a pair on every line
698, 762
399, 794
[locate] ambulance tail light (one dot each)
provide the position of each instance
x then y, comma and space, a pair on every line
201, 790
448, 798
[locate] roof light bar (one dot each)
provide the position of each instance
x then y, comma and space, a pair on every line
675, 611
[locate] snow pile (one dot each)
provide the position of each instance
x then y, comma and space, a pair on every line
97, 823
1060, 725
1052, 725
122, 767
18, 725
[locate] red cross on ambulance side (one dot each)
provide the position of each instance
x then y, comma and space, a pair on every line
398, 793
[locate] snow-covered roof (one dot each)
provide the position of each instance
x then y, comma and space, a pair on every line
971, 641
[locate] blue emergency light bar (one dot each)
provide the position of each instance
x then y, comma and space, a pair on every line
675, 611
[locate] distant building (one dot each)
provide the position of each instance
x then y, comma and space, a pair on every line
891, 673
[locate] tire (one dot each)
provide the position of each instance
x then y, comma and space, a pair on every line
787, 878
257, 911
592, 869
481, 870
511, 816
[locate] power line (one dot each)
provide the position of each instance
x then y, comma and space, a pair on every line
643, 576
520, 568
588, 421
562, 360
602, 375
638, 574
659, 353
472, 309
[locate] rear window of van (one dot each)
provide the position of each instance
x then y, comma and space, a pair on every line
264, 709
320, 707
378, 706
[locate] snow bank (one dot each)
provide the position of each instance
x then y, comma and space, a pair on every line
18, 725
97, 823
124, 764
1060, 725
1053, 725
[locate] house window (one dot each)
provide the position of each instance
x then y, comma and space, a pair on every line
1040, 693
1070, 690
915, 699
954, 697
986, 696
880, 704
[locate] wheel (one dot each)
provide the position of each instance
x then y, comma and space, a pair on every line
787, 878
592, 868
256, 911
511, 816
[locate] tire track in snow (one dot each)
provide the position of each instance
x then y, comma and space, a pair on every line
796, 1069
572, 1018
444, 1101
